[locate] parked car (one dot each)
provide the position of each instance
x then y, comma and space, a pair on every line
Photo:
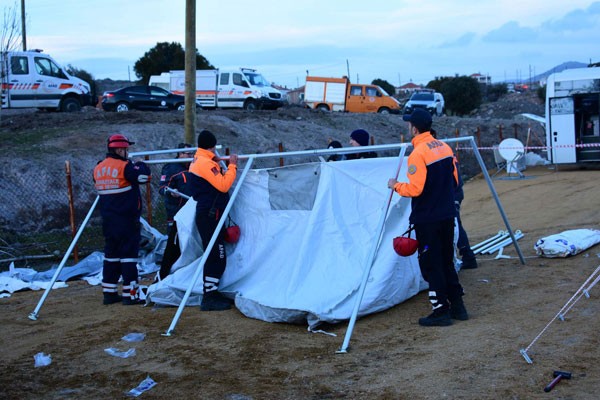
427, 99
141, 98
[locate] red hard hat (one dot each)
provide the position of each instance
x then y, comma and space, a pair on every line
405, 246
232, 234
118, 141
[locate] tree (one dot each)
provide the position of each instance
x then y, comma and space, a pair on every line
83, 75
495, 91
385, 85
165, 57
10, 32
437, 83
462, 94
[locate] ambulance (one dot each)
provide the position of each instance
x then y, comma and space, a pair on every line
33, 79
225, 88
338, 94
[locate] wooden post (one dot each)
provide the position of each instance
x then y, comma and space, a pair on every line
281, 151
500, 132
478, 134
71, 208
516, 128
148, 198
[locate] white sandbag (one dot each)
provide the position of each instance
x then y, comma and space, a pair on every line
567, 243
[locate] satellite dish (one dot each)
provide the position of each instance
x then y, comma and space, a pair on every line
511, 149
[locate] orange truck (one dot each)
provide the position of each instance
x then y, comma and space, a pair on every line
338, 94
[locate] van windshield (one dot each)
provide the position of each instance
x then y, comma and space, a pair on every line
422, 96
256, 79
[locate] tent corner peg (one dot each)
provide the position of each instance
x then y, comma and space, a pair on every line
526, 356
341, 351
33, 316
167, 333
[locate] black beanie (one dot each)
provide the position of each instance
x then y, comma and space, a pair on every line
361, 136
206, 139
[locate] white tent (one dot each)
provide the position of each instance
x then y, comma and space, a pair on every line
307, 231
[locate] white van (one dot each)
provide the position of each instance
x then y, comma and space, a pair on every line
33, 79
573, 116
238, 88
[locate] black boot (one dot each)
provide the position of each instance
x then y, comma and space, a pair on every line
214, 301
458, 311
437, 318
111, 298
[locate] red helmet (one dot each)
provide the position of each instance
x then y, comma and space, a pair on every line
118, 141
232, 234
405, 246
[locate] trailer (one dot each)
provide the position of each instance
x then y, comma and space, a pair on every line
573, 116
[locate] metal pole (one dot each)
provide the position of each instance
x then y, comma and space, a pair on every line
33, 316
495, 196
213, 239
367, 270
71, 207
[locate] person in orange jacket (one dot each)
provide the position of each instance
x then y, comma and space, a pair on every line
209, 186
432, 180
117, 181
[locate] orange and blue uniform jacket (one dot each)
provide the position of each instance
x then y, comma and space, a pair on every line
117, 182
209, 186
432, 180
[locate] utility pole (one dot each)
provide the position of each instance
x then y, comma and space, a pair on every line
348, 67
23, 25
189, 124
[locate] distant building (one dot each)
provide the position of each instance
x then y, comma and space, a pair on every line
483, 79
408, 88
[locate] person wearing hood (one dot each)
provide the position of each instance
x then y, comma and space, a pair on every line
209, 187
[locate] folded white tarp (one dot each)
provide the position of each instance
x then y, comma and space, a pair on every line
567, 243
307, 232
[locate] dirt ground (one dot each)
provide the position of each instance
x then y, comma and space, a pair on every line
224, 355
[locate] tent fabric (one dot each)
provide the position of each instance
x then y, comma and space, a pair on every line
567, 243
307, 234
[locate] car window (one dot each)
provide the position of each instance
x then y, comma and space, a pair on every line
237, 79
19, 65
46, 67
136, 90
422, 97
355, 90
156, 91
371, 91
224, 79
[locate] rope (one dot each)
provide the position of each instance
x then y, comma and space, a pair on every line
562, 309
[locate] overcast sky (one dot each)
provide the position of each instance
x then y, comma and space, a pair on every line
396, 40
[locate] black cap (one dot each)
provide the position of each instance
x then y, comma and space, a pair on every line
206, 140
420, 119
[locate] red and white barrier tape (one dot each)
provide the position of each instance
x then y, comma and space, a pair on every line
559, 146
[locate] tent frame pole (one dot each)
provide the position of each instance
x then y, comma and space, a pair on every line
213, 239
371, 260
34, 315
496, 199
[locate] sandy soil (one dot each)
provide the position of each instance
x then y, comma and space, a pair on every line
225, 355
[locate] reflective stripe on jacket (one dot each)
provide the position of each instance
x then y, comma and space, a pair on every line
432, 180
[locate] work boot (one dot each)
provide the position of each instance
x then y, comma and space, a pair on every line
469, 263
436, 318
111, 298
215, 301
458, 311
128, 301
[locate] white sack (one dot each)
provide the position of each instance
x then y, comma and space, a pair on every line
567, 243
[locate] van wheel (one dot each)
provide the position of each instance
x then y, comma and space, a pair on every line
323, 107
384, 111
250, 105
180, 107
122, 107
70, 104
